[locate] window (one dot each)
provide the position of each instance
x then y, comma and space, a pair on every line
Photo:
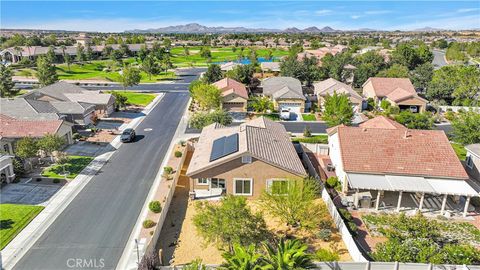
217, 183
243, 187
246, 159
202, 181
469, 162
277, 186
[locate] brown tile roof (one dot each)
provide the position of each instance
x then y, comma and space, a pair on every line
228, 86
399, 151
399, 94
261, 138
385, 86
382, 122
13, 128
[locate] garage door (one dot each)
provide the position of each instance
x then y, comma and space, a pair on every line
293, 107
233, 106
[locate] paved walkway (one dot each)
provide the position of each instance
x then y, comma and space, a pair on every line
15, 250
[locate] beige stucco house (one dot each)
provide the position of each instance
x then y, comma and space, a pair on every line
286, 93
472, 162
331, 86
398, 91
243, 160
234, 95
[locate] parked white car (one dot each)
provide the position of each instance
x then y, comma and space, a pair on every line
285, 114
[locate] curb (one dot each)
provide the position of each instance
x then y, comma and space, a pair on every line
19, 246
125, 261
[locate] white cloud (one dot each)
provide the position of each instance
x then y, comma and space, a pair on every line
465, 10
452, 23
355, 17
323, 12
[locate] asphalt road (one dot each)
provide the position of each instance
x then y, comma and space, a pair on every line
439, 59
96, 225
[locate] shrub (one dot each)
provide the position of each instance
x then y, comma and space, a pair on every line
56, 180
76, 136
325, 255
307, 132
345, 214
155, 206
325, 234
168, 170
178, 154
332, 182
352, 227
148, 223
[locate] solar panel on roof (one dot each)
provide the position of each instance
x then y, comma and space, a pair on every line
224, 146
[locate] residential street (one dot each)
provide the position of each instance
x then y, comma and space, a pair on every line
439, 59
97, 224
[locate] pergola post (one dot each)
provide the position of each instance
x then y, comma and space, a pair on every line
377, 203
465, 210
444, 203
421, 202
355, 199
399, 200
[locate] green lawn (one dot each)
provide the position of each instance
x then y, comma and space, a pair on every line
100, 70
74, 166
309, 117
460, 150
138, 99
218, 55
323, 139
13, 218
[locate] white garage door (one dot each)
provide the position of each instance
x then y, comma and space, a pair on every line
293, 107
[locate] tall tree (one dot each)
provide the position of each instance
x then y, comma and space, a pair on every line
150, 66
6, 82
80, 53
46, 73
130, 76
50, 143
338, 110
395, 71
26, 147
422, 75
51, 54
66, 57
457, 85
213, 74
88, 52
466, 127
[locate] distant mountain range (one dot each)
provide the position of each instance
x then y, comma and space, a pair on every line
197, 28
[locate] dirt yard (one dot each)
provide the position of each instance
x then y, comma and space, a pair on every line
180, 244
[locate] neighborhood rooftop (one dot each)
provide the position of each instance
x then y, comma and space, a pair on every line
261, 138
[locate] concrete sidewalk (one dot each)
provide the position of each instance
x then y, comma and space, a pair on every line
15, 250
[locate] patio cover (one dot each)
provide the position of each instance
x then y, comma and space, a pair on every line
410, 184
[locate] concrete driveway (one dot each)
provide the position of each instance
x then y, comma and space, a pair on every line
87, 149
28, 193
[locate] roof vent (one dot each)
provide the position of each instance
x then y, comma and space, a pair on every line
407, 134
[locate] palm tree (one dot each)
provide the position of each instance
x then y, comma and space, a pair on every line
288, 254
242, 258
66, 58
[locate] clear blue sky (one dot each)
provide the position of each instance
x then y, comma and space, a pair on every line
109, 16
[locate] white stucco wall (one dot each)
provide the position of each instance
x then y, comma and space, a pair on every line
335, 156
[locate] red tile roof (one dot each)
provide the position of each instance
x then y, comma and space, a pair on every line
13, 128
382, 122
228, 85
399, 151
385, 86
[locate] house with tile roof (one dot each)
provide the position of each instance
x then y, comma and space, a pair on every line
398, 91
243, 160
13, 129
234, 95
77, 113
330, 86
285, 92
386, 159
62, 91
